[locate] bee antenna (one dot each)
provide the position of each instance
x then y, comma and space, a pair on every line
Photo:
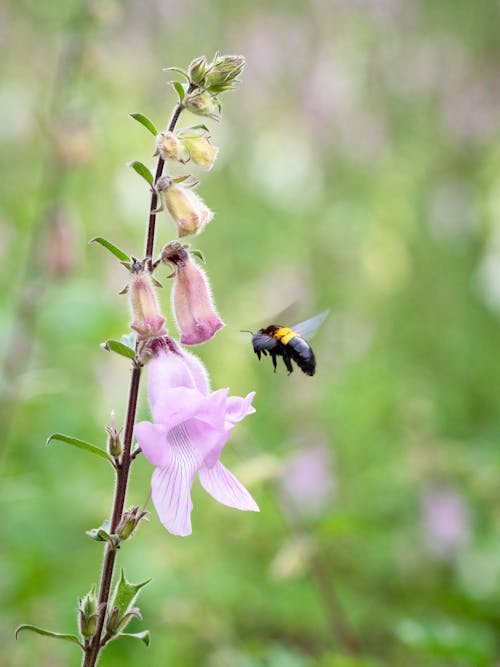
247, 331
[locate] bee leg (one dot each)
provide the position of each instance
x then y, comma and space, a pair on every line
273, 357
288, 363
257, 352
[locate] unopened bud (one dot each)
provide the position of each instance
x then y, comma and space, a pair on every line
169, 147
147, 320
187, 209
223, 73
87, 614
114, 441
203, 103
197, 70
200, 149
129, 522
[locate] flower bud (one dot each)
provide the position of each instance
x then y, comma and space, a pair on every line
223, 73
186, 208
200, 149
169, 147
202, 103
129, 522
197, 70
114, 442
87, 614
192, 301
147, 320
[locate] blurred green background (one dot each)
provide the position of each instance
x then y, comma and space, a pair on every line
359, 171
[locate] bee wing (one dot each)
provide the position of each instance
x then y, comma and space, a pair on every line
308, 328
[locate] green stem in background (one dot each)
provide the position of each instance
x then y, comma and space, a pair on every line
92, 651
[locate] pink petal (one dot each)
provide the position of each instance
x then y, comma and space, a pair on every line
181, 404
198, 371
166, 370
225, 488
238, 408
171, 491
152, 441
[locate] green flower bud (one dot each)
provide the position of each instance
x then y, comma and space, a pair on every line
203, 103
197, 70
129, 522
114, 442
88, 614
199, 148
223, 73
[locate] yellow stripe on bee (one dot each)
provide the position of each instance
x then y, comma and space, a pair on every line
285, 335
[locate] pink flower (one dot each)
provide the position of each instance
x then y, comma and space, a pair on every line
147, 320
190, 427
192, 301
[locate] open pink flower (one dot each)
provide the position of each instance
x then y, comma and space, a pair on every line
190, 427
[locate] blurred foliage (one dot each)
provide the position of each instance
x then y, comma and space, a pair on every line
359, 170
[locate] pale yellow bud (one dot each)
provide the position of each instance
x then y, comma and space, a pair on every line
187, 209
169, 147
200, 150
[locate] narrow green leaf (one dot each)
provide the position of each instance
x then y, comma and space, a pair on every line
48, 633
144, 636
142, 170
200, 126
179, 89
125, 594
118, 348
100, 534
145, 121
111, 247
81, 444
179, 70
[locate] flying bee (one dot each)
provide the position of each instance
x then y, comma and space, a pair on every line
289, 343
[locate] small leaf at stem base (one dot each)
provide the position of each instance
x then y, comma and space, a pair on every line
145, 122
118, 348
144, 636
122, 256
142, 170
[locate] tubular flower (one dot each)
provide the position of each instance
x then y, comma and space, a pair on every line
192, 302
200, 150
169, 147
186, 208
147, 319
190, 427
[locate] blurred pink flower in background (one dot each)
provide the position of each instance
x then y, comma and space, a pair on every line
307, 482
190, 427
445, 521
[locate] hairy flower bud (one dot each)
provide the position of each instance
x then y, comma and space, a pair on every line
129, 522
147, 320
87, 614
199, 148
223, 72
114, 442
203, 103
186, 208
169, 147
197, 70
192, 301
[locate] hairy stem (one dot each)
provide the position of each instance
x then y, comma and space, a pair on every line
92, 651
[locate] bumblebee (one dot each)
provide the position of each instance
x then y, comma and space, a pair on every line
289, 343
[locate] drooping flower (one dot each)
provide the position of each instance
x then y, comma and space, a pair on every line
169, 147
190, 427
192, 301
199, 148
186, 208
147, 319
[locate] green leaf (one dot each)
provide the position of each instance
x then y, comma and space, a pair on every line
100, 534
125, 594
144, 636
118, 348
48, 633
179, 89
199, 254
142, 170
179, 70
81, 444
145, 121
112, 248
